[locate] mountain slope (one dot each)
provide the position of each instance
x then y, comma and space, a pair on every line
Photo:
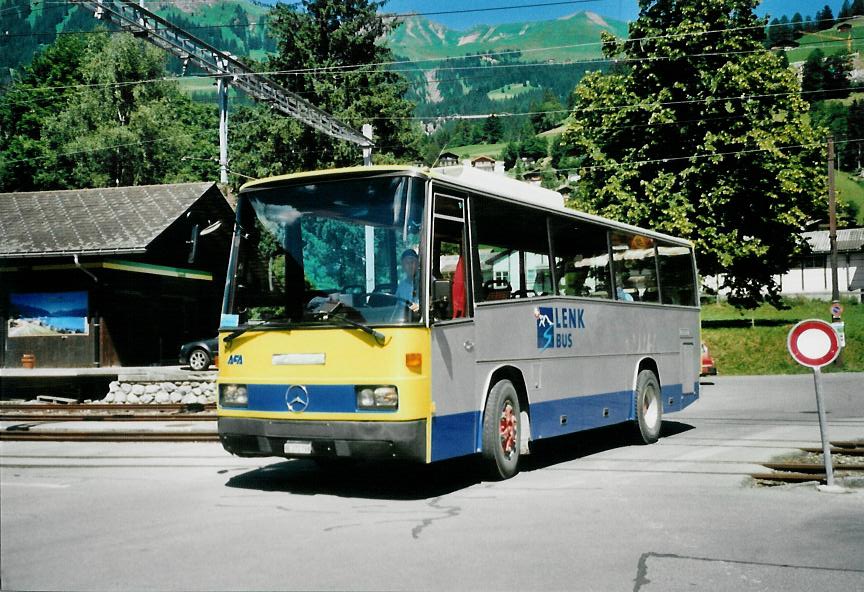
419, 38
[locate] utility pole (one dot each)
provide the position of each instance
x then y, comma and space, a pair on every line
832, 222
222, 88
836, 309
132, 17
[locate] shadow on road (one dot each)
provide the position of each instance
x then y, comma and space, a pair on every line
545, 453
399, 481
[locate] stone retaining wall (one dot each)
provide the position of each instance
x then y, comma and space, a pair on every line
143, 391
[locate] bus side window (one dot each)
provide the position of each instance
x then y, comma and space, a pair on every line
513, 251
677, 283
581, 259
635, 267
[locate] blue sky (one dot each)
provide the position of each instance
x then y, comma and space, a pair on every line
618, 9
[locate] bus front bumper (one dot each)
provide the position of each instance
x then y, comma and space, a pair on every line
404, 440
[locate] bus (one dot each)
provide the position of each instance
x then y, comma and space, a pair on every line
391, 312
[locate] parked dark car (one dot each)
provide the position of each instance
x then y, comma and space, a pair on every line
199, 354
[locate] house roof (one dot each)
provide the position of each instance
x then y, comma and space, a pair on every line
483, 158
848, 239
109, 221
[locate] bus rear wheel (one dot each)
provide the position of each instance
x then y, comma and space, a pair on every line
502, 431
649, 407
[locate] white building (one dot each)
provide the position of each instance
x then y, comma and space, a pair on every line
810, 276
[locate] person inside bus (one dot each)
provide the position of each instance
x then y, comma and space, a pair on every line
407, 288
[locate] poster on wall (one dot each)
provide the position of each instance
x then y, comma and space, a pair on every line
44, 314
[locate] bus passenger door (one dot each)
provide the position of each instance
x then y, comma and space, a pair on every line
455, 415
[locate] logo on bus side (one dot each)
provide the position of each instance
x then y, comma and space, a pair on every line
555, 325
235, 359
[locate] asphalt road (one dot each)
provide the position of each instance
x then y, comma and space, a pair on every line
591, 512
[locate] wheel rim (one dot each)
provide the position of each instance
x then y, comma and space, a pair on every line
197, 360
650, 406
508, 429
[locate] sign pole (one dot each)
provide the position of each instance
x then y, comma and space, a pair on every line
823, 428
814, 343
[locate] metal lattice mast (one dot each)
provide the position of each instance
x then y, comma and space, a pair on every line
139, 21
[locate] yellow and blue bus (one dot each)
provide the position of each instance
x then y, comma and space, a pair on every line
405, 313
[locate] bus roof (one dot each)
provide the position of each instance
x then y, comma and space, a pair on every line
491, 184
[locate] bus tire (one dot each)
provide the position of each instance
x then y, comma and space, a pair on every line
502, 431
649, 407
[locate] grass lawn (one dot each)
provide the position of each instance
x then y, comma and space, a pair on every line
508, 91
851, 190
762, 350
830, 41
473, 150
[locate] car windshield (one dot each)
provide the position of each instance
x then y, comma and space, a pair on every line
328, 251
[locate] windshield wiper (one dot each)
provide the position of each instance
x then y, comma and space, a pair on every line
328, 314
252, 326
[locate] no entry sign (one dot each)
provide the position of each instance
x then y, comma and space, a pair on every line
813, 343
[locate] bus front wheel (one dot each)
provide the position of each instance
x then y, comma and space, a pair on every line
502, 431
649, 407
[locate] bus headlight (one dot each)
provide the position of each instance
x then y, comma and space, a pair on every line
377, 397
233, 395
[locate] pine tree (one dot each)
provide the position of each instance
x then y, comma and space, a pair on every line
492, 130
845, 11
857, 8
737, 174
797, 24
824, 18
336, 34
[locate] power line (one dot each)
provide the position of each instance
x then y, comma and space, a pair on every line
376, 68
385, 15
700, 156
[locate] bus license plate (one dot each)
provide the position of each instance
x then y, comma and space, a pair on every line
298, 447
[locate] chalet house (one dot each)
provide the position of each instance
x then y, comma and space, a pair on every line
110, 277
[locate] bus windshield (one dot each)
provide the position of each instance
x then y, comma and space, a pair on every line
329, 251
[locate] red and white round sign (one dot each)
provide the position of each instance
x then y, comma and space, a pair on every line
813, 343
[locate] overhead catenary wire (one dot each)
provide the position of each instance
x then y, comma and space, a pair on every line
65, 3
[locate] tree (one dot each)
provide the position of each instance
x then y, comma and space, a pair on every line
335, 37
492, 130
774, 32
825, 77
845, 11
857, 8
117, 125
824, 18
797, 24
548, 113
692, 146
813, 72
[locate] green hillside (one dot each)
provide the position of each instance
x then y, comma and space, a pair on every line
849, 189
830, 41
419, 38
230, 25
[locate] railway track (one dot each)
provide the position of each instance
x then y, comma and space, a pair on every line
113, 436
105, 412
28, 418
799, 472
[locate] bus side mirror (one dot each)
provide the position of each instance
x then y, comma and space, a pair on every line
442, 299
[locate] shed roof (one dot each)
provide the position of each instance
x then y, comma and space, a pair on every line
114, 220
848, 239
